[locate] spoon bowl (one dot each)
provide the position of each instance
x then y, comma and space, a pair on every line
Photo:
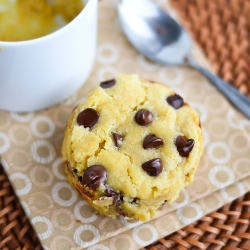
156, 35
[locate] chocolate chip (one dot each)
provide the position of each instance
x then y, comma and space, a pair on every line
151, 141
110, 192
108, 84
88, 118
184, 146
175, 101
153, 167
118, 138
80, 179
94, 176
143, 117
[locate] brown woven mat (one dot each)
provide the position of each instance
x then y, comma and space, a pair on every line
222, 28
228, 229
16, 232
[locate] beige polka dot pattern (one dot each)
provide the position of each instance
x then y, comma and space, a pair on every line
30, 146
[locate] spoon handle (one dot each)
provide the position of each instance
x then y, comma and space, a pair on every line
239, 100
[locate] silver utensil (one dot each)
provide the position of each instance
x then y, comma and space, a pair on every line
160, 38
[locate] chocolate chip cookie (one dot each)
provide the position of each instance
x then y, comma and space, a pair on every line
131, 146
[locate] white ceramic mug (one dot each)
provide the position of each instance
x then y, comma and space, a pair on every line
42, 72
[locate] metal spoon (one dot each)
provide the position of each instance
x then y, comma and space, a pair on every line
161, 39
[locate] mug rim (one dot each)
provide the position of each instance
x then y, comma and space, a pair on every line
50, 35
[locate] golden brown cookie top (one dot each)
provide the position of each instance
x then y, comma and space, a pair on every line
145, 136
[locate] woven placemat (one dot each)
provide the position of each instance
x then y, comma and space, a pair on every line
222, 28
16, 231
228, 229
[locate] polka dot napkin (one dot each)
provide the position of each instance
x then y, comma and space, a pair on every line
30, 146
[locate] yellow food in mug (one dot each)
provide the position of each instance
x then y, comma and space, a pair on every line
28, 19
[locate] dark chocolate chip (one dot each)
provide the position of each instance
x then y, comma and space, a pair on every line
88, 118
143, 117
94, 176
151, 141
80, 179
175, 101
184, 146
153, 167
108, 84
118, 138
110, 192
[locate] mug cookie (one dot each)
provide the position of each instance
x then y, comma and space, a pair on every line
131, 146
